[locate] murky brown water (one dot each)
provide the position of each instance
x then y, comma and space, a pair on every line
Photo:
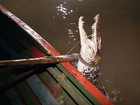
56, 21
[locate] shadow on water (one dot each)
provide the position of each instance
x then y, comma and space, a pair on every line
56, 21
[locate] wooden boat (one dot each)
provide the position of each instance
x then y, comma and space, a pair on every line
49, 84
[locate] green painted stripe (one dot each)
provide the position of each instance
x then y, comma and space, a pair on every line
69, 87
46, 77
74, 81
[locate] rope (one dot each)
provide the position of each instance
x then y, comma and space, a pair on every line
76, 45
72, 48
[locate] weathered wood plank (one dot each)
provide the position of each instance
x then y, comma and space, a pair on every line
39, 60
13, 97
40, 91
77, 84
48, 81
27, 94
69, 87
52, 83
14, 79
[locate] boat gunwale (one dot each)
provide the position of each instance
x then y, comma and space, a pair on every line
51, 50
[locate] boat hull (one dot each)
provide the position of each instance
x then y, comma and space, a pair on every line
50, 84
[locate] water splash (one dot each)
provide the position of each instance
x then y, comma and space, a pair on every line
112, 94
71, 34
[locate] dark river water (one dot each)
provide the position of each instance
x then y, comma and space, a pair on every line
56, 21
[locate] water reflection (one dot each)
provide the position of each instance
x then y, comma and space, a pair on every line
63, 10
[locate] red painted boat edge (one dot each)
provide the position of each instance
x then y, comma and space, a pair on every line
73, 71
